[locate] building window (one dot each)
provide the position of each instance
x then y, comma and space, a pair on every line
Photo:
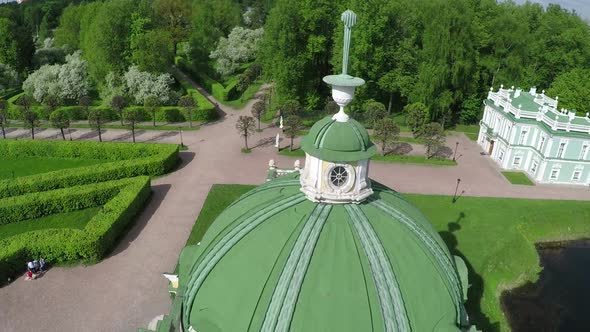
561, 150
338, 176
584, 150
534, 167
577, 175
554, 174
542, 144
501, 155
522, 138
517, 160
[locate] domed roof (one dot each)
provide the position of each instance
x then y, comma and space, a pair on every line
276, 261
332, 140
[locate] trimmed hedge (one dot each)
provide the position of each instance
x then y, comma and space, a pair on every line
129, 160
215, 88
205, 110
127, 197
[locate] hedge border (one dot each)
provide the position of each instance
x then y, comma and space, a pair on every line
127, 162
91, 243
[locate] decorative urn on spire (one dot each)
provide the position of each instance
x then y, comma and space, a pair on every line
338, 148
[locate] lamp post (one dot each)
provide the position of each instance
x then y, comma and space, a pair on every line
180, 131
456, 189
456, 147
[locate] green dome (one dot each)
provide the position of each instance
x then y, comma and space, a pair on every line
275, 261
331, 140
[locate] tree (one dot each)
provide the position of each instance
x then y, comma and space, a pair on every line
174, 17
293, 124
51, 103
141, 85
245, 127
573, 89
374, 111
257, 110
8, 78
118, 103
291, 107
97, 118
152, 51
16, 44
28, 116
67, 33
60, 120
3, 116
188, 103
150, 105
67, 82
434, 138
416, 117
386, 132
238, 48
131, 117
85, 102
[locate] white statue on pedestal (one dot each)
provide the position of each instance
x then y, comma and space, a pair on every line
277, 141
281, 122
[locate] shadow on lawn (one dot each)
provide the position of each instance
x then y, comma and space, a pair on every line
475, 292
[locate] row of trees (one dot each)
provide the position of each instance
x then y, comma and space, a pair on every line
443, 54
97, 117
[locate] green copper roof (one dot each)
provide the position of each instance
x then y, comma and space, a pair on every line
275, 261
338, 141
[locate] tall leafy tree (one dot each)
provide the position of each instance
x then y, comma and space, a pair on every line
131, 117
60, 119
29, 117
573, 89
416, 117
386, 132
174, 17
293, 124
257, 110
97, 117
189, 104
245, 127
3, 116
152, 51
434, 138
150, 105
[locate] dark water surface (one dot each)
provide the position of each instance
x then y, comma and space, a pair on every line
560, 299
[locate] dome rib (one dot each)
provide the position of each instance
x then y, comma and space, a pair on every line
226, 243
277, 183
392, 304
444, 262
282, 306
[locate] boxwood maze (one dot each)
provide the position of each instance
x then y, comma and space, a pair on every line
120, 188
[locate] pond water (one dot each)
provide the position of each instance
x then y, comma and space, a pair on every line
560, 299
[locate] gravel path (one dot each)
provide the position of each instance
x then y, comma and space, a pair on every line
126, 290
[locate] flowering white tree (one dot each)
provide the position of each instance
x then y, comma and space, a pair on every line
8, 77
67, 82
141, 85
238, 48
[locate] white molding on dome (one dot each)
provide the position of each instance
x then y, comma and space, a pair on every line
315, 181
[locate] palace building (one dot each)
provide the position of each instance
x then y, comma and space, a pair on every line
323, 248
527, 131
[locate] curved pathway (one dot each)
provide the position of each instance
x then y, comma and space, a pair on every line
126, 290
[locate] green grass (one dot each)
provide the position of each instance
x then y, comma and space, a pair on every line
75, 220
390, 158
471, 131
10, 168
518, 178
495, 236
246, 96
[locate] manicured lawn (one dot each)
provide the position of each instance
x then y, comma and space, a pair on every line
518, 178
495, 236
10, 168
75, 219
471, 131
246, 96
390, 158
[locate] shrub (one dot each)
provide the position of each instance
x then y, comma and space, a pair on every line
92, 243
128, 161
